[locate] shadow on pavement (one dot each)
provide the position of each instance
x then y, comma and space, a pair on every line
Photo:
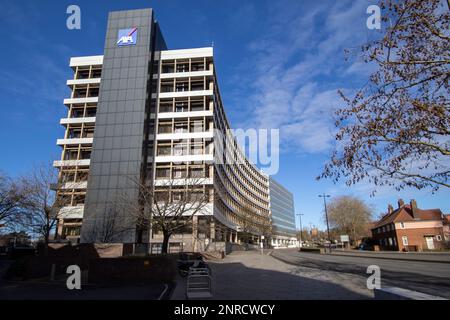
236, 281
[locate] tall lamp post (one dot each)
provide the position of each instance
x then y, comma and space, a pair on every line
301, 229
324, 196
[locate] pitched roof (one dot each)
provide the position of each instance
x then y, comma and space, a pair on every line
405, 213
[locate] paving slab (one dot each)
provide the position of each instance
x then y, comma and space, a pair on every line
247, 275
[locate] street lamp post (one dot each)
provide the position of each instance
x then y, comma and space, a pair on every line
324, 196
301, 229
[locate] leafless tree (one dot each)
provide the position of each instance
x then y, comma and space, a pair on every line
169, 206
10, 198
305, 235
349, 215
39, 206
395, 130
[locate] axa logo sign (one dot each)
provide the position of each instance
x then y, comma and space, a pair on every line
127, 37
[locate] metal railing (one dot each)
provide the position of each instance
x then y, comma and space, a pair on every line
198, 284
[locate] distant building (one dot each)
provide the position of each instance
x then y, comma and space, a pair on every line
284, 233
409, 228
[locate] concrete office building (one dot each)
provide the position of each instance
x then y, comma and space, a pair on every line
284, 232
143, 112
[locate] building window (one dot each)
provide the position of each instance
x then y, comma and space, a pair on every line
182, 66
391, 242
402, 225
179, 173
438, 237
181, 107
181, 127
405, 240
162, 173
72, 231
196, 173
181, 86
180, 148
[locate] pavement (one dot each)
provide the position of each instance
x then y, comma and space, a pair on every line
441, 257
423, 276
251, 275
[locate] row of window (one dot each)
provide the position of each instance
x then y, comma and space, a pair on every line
234, 174
241, 193
76, 153
387, 228
188, 125
179, 171
185, 65
176, 194
185, 84
257, 226
85, 91
74, 197
88, 72
244, 207
74, 175
75, 131
392, 242
184, 104
184, 147
231, 146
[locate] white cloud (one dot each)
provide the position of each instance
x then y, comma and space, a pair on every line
297, 69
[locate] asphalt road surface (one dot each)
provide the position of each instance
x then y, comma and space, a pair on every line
428, 277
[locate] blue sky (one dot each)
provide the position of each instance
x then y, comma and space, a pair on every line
279, 63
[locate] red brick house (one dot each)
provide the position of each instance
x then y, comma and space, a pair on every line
409, 228
447, 230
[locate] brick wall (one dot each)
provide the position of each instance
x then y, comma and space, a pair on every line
386, 235
416, 237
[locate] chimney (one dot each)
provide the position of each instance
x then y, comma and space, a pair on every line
400, 203
413, 204
390, 209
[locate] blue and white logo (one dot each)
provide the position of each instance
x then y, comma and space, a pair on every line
127, 37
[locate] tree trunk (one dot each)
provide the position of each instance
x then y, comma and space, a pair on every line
165, 244
46, 241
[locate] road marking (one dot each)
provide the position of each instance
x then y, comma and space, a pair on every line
407, 294
166, 287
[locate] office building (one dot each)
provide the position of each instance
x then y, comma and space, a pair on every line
142, 112
284, 232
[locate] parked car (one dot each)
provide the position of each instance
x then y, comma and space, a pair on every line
368, 244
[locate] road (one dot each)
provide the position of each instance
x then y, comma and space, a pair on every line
428, 277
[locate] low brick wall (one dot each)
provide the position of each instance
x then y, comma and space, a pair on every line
62, 255
39, 266
155, 268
